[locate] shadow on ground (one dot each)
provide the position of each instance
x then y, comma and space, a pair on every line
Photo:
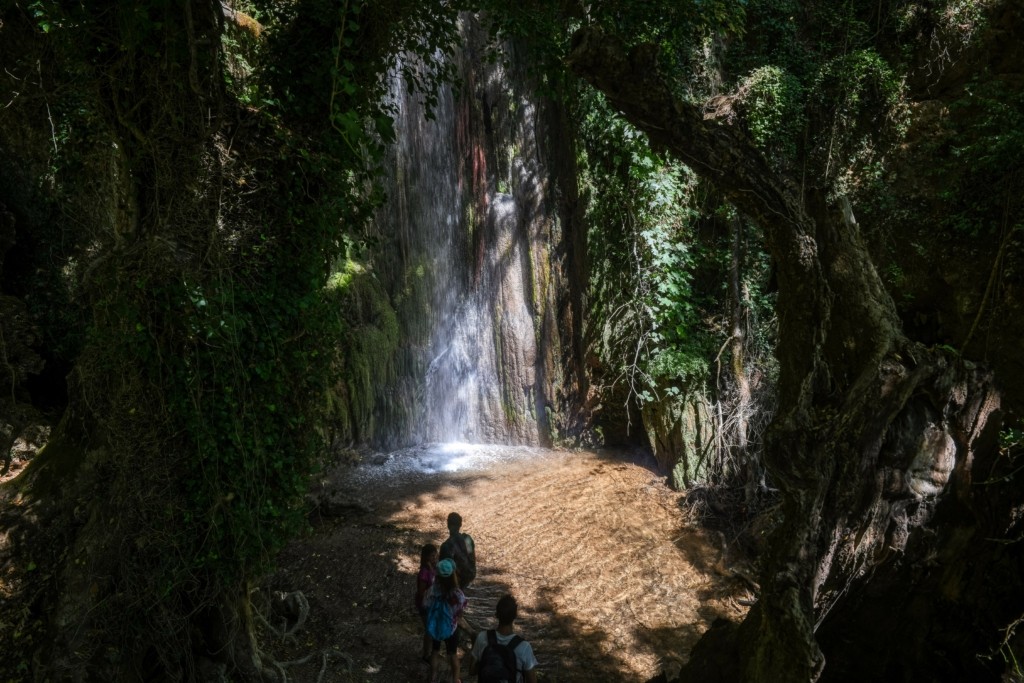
612, 584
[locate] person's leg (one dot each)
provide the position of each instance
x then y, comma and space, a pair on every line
452, 647
435, 660
427, 640
454, 663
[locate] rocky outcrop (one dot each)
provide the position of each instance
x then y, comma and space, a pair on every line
681, 433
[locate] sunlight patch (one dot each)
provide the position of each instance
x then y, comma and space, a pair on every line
442, 458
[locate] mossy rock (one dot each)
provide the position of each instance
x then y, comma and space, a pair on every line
679, 428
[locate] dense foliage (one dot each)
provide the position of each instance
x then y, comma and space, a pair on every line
229, 177
641, 268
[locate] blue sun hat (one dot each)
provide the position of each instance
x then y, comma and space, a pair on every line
445, 567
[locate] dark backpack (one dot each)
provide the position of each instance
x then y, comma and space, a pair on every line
439, 618
455, 548
498, 662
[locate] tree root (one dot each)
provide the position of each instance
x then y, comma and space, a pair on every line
292, 608
325, 658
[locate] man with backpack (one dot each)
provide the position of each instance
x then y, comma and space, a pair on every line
459, 547
499, 655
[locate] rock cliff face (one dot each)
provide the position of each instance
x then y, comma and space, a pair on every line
477, 238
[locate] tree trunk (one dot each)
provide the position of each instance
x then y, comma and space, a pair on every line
875, 439
106, 577
738, 310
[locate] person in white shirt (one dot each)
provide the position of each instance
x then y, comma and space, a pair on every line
501, 649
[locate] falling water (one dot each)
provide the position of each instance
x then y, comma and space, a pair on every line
466, 211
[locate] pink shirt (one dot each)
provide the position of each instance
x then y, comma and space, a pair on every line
424, 580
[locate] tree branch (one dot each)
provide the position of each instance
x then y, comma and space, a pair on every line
719, 152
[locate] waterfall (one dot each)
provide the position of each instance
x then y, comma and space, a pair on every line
470, 269
481, 380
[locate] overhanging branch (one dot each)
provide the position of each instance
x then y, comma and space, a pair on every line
713, 148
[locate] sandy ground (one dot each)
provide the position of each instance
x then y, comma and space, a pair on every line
612, 581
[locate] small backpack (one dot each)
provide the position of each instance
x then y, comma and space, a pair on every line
459, 551
440, 624
498, 662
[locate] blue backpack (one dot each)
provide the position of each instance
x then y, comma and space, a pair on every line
440, 624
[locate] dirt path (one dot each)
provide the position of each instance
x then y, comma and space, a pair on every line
613, 585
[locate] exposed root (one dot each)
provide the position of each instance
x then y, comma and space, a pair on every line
323, 668
325, 658
292, 608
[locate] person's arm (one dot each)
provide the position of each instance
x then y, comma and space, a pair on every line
477, 652
526, 658
470, 550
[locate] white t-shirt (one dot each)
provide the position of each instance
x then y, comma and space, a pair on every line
525, 661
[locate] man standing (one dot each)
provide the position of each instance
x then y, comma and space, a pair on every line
499, 654
459, 547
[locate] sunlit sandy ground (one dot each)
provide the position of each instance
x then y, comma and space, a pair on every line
613, 583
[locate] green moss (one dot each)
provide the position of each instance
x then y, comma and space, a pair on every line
340, 280
367, 352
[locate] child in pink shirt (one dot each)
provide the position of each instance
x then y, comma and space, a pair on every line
424, 581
